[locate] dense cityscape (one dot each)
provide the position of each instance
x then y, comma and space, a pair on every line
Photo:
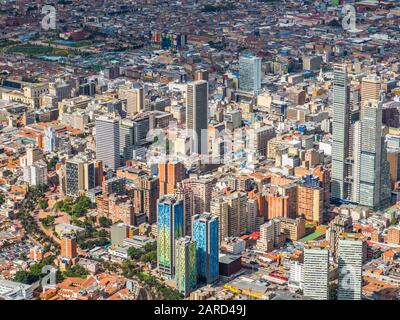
199, 150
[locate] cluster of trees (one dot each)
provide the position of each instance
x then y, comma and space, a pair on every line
159, 289
75, 207
104, 222
43, 204
48, 221
34, 273
147, 254
76, 271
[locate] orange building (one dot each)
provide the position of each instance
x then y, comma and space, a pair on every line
68, 247
393, 235
170, 174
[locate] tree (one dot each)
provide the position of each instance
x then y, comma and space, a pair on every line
76, 271
25, 277
104, 222
149, 257
43, 204
134, 253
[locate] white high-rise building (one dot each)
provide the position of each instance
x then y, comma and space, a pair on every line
107, 141
36, 174
350, 267
316, 273
296, 275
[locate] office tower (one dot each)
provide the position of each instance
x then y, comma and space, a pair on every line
134, 97
126, 140
107, 141
205, 234
197, 113
142, 124
68, 247
370, 89
250, 73
350, 266
170, 228
145, 195
80, 175
219, 208
119, 231
341, 167
170, 174
316, 272
185, 265
50, 139
374, 169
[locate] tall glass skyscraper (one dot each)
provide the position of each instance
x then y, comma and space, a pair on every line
170, 228
341, 165
374, 171
250, 73
185, 265
205, 234
197, 112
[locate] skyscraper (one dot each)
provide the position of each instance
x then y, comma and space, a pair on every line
185, 265
350, 266
205, 234
374, 172
250, 73
316, 272
107, 141
197, 113
170, 228
126, 140
341, 166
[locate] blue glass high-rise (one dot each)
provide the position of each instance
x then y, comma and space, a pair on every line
205, 234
